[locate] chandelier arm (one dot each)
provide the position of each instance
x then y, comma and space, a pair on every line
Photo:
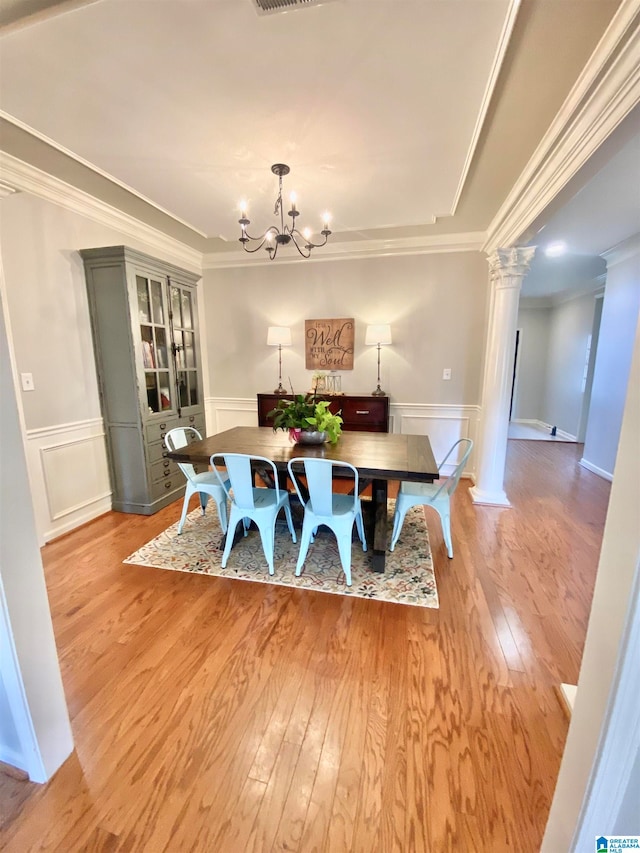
308, 242
295, 243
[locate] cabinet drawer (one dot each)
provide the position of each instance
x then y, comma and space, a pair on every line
162, 470
366, 411
166, 485
156, 452
156, 431
195, 421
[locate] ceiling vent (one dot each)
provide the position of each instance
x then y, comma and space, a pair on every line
270, 7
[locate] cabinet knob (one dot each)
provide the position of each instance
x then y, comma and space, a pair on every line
163, 426
362, 412
166, 473
166, 463
167, 485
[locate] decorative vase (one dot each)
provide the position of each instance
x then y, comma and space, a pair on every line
307, 436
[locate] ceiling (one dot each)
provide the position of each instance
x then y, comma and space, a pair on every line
404, 118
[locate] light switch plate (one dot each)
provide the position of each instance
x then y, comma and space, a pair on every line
446, 373
27, 381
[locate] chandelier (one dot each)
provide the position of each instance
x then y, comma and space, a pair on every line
274, 237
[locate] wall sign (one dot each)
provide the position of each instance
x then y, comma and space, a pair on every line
329, 344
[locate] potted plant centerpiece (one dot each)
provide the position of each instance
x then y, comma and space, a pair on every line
307, 419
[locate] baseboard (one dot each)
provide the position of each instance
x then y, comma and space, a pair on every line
595, 470
534, 422
567, 696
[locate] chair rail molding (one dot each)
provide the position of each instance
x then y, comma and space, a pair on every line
443, 423
63, 502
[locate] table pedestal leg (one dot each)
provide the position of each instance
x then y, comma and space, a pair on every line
378, 537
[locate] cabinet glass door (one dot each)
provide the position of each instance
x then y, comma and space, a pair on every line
154, 341
184, 338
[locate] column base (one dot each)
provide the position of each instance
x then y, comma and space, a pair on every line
497, 498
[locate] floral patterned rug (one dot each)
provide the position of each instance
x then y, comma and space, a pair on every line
408, 576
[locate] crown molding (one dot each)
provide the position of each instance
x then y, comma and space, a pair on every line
16, 175
606, 91
498, 59
465, 242
51, 143
629, 248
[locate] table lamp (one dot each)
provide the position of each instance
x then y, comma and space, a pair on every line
279, 336
378, 335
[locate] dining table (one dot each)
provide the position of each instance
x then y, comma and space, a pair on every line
378, 457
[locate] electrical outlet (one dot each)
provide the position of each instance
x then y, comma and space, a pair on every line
27, 381
446, 373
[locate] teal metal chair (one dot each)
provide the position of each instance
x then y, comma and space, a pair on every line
206, 485
436, 495
260, 505
338, 512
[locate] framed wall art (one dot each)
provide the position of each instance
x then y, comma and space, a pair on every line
328, 344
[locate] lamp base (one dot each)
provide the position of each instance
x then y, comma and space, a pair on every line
378, 392
280, 390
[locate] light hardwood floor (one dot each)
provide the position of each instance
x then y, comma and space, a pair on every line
223, 716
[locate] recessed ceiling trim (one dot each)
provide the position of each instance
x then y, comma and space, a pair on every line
23, 176
605, 93
87, 164
439, 244
503, 43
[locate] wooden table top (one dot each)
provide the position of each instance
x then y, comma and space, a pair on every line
381, 456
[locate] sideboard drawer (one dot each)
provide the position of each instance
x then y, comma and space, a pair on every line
366, 413
359, 412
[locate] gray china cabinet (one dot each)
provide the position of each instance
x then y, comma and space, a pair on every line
144, 319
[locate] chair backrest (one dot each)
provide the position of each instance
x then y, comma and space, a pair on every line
319, 476
177, 438
240, 474
451, 482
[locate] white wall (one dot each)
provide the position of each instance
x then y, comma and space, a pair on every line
436, 305
611, 375
570, 325
553, 347
38, 738
614, 598
48, 320
532, 363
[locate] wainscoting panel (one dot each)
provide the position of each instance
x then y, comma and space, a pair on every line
224, 413
69, 476
443, 424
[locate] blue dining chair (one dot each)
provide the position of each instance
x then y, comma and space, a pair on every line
206, 485
260, 505
323, 506
437, 495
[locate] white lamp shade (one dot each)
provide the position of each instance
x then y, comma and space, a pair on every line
279, 336
380, 334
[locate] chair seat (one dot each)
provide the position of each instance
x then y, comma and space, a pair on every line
419, 490
341, 505
268, 498
207, 478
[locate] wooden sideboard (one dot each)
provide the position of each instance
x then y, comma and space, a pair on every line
359, 412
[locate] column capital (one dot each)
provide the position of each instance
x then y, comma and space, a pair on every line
514, 261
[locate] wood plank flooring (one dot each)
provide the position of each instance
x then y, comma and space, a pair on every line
223, 716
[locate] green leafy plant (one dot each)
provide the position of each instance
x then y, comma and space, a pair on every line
306, 412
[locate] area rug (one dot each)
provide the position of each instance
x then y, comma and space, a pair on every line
408, 576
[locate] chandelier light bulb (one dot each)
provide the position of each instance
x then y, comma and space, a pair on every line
306, 233
293, 198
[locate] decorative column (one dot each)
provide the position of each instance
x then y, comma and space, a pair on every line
507, 268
